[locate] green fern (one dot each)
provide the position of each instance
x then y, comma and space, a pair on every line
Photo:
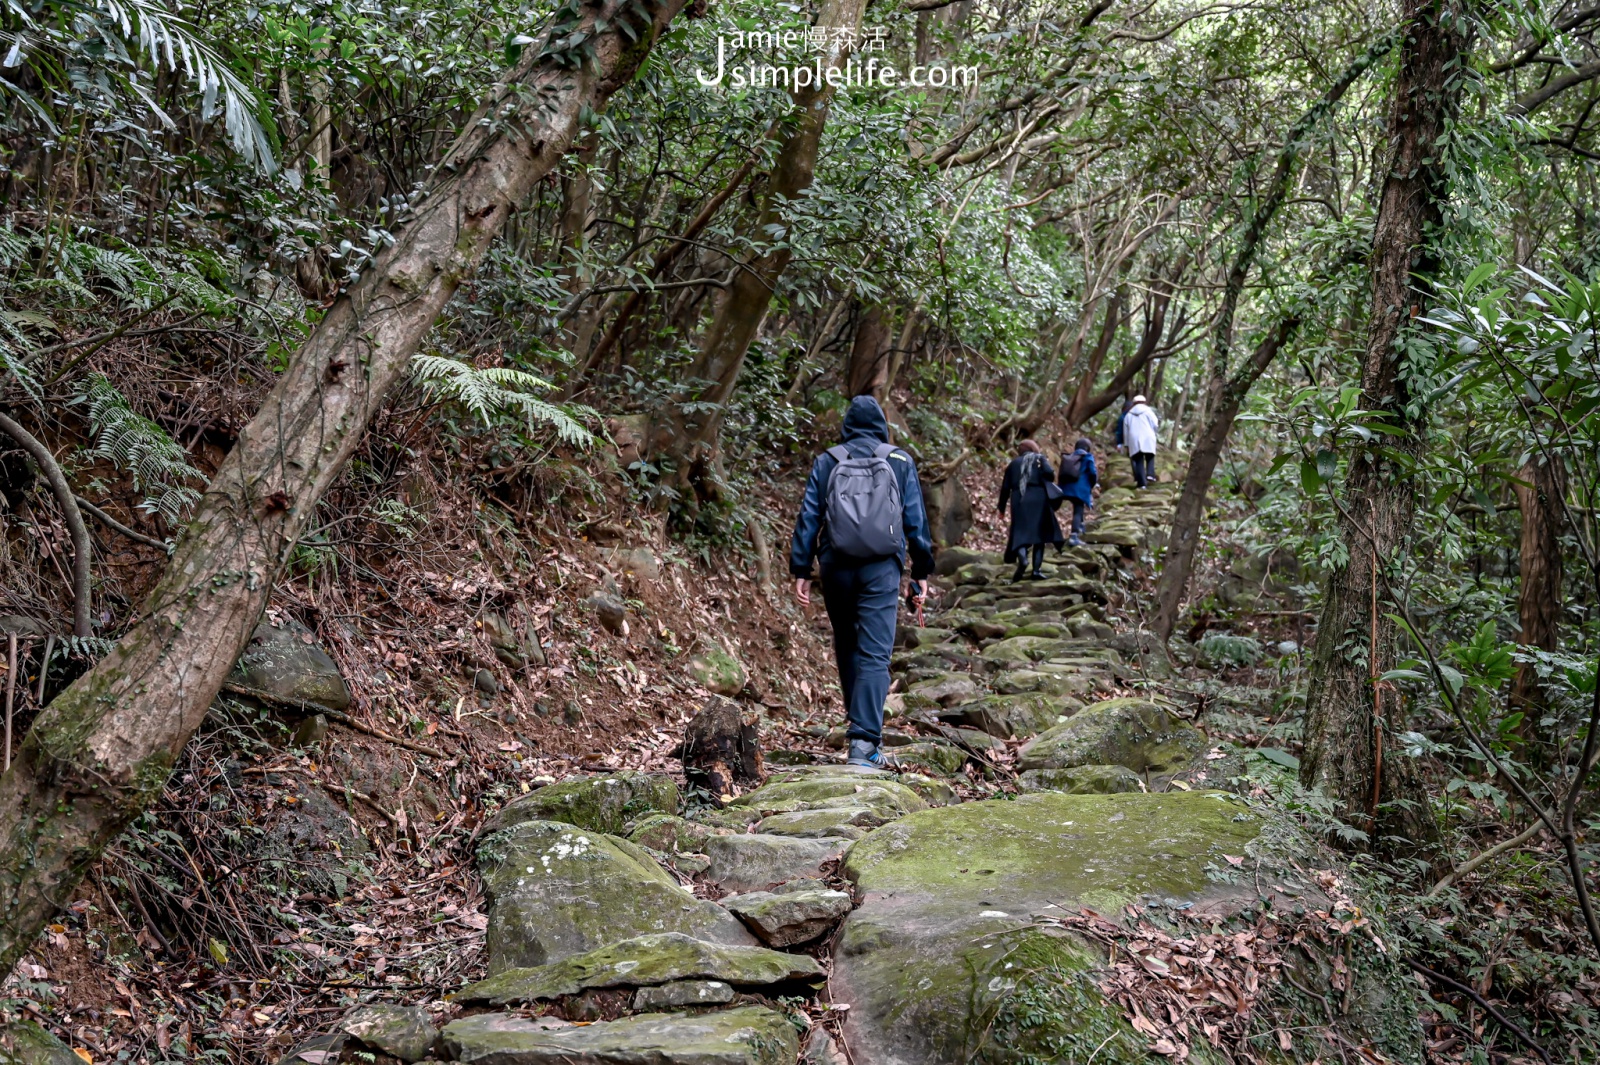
497, 390
132, 442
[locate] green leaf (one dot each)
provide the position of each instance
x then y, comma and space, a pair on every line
1310, 479
1278, 757
1327, 464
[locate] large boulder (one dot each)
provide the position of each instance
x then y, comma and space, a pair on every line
600, 804
284, 662
951, 957
555, 891
644, 961
1141, 734
749, 1035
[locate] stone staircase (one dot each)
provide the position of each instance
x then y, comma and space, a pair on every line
919, 917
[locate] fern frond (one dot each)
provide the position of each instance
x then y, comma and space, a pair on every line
498, 390
131, 442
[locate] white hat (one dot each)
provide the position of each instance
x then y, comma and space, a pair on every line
1138, 399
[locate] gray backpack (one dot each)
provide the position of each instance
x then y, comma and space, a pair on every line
863, 506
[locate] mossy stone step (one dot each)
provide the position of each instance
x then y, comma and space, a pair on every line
748, 1035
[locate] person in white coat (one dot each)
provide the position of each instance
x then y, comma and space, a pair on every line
1139, 427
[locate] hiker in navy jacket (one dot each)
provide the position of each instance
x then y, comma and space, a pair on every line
1080, 489
862, 594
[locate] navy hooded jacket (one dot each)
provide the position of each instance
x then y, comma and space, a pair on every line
865, 428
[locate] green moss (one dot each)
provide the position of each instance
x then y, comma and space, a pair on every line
1138, 733
817, 791
600, 804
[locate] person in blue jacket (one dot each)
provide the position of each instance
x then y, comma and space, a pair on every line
1078, 487
862, 594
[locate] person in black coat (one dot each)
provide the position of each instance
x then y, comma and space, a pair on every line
1033, 519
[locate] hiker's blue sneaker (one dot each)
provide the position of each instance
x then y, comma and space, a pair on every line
868, 755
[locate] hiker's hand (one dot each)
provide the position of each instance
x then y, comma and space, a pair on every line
802, 590
919, 591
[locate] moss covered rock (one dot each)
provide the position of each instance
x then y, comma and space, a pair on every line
285, 661
1138, 733
940, 964
600, 804
1008, 716
833, 786
672, 835
784, 919
834, 822
25, 1043
931, 757
403, 1032
555, 891
749, 1035
715, 670
644, 961
1082, 780
756, 862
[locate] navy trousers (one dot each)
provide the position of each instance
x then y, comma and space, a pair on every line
1078, 507
1144, 468
862, 602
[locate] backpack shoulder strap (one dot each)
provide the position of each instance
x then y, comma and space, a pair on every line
883, 451
839, 452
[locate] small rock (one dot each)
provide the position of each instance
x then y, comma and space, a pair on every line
486, 683
822, 1049
404, 1032
1288, 647
715, 670
634, 561
939, 758
721, 748
752, 863
610, 611
787, 919
311, 731
671, 835
681, 993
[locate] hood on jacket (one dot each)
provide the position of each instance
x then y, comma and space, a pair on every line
865, 419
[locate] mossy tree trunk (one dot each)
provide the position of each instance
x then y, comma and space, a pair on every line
103, 748
1541, 484
686, 437
1350, 715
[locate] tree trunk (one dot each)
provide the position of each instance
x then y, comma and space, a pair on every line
687, 435
1540, 487
868, 373
1091, 373
103, 748
1155, 324
1349, 713
1203, 458
1215, 413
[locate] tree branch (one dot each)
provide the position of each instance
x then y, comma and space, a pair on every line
69, 512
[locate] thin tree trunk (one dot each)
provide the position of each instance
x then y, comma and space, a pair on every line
1155, 325
1540, 487
1214, 409
1350, 713
104, 747
1091, 373
688, 434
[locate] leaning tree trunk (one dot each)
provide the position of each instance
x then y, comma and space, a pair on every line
102, 749
1350, 713
1540, 487
1220, 410
687, 435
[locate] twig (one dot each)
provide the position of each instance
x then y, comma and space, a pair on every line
333, 715
116, 526
11, 688
1505, 1022
69, 511
1487, 856
44, 665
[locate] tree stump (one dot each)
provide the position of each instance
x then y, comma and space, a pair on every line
721, 749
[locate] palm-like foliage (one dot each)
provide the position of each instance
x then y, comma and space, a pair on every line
496, 390
94, 46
